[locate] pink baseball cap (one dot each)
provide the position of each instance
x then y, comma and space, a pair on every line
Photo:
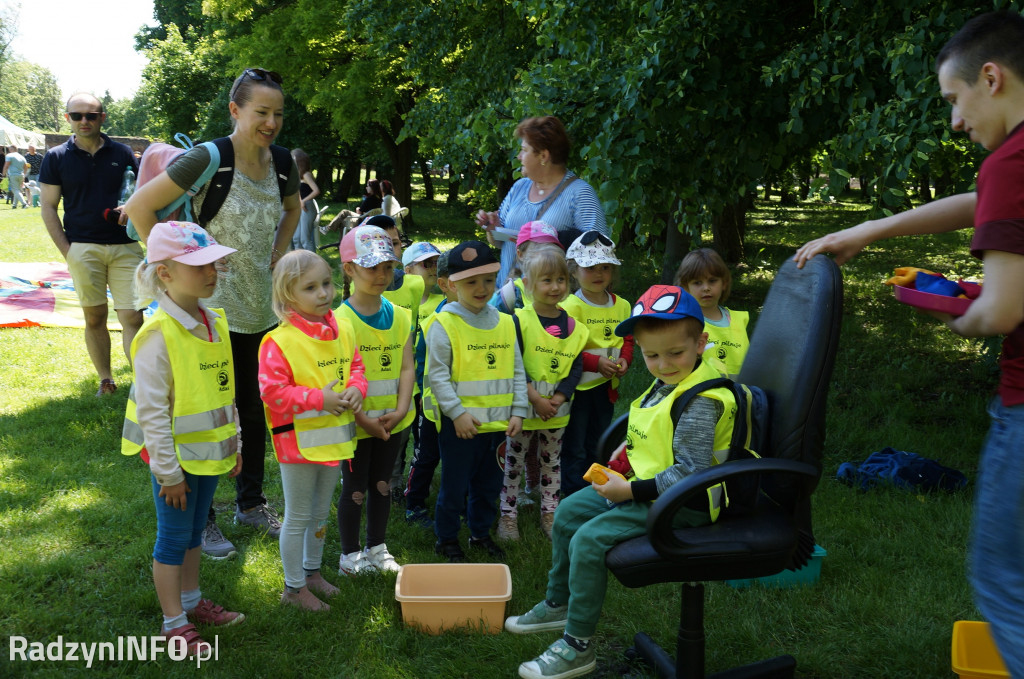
538, 232
367, 246
183, 242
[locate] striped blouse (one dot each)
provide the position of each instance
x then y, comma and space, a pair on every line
577, 206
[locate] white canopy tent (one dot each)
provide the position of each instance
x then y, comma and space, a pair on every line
12, 134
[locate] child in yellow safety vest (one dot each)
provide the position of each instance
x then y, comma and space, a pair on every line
187, 435
661, 450
312, 383
551, 342
476, 396
384, 332
606, 358
704, 275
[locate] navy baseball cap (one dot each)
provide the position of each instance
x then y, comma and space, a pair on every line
661, 301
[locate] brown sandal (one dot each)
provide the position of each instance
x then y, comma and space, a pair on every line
106, 387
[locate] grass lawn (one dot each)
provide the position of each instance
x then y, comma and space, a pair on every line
77, 523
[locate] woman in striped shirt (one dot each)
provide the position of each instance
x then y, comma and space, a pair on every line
548, 188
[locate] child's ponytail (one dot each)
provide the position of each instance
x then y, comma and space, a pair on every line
147, 283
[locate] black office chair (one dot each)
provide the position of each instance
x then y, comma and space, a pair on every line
791, 356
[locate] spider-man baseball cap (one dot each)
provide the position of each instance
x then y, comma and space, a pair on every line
661, 301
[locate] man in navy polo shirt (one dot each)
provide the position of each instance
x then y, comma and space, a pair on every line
87, 172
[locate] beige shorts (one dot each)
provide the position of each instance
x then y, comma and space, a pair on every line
94, 267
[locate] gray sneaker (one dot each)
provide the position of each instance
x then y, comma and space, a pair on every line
560, 661
215, 545
261, 517
540, 618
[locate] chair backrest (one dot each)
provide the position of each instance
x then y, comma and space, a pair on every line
319, 212
791, 355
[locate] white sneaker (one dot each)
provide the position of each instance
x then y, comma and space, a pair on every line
379, 558
354, 563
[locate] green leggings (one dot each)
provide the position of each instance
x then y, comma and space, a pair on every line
585, 528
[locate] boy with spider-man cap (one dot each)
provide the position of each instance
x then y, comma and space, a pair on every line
668, 325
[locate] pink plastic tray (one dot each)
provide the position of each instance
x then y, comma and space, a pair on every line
929, 302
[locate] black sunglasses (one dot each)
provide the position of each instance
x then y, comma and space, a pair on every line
91, 116
257, 74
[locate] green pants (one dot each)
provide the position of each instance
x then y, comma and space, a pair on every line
585, 528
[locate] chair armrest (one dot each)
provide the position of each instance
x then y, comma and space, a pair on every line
665, 508
611, 438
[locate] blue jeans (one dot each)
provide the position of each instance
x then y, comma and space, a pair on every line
303, 238
425, 458
178, 531
468, 467
997, 536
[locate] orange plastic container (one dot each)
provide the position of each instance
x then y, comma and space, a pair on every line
441, 596
975, 655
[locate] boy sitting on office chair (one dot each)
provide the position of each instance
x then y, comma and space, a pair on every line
668, 325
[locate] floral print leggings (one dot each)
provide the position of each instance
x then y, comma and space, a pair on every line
549, 450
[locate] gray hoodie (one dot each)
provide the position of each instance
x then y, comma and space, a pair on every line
439, 361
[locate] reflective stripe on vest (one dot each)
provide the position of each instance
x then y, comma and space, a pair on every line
600, 323
548, 360
203, 415
383, 352
483, 368
650, 431
319, 435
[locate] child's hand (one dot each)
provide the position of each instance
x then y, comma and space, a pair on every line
607, 367
545, 409
466, 426
515, 426
623, 367
353, 399
392, 419
373, 426
237, 469
618, 451
334, 402
176, 495
615, 489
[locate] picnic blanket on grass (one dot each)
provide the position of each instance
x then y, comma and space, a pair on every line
41, 294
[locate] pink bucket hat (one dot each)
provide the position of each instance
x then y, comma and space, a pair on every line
367, 246
183, 242
538, 232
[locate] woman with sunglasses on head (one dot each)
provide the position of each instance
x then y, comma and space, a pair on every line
547, 189
258, 217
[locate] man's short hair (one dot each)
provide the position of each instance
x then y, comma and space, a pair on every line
995, 36
84, 95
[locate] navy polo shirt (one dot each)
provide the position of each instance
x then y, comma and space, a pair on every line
89, 184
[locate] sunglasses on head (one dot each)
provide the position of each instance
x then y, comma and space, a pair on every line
90, 116
257, 74
590, 236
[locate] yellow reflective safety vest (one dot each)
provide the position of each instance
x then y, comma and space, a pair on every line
408, 294
430, 408
483, 370
203, 416
319, 435
602, 340
547, 360
731, 343
650, 432
381, 351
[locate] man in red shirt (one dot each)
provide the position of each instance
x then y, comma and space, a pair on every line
981, 73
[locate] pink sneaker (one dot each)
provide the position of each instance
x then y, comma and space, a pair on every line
208, 613
193, 642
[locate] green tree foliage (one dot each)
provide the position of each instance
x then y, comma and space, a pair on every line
30, 96
129, 117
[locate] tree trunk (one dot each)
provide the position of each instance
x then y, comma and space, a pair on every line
324, 179
349, 178
454, 185
401, 156
677, 244
728, 228
924, 186
428, 181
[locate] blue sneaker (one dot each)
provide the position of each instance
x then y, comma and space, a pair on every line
560, 661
